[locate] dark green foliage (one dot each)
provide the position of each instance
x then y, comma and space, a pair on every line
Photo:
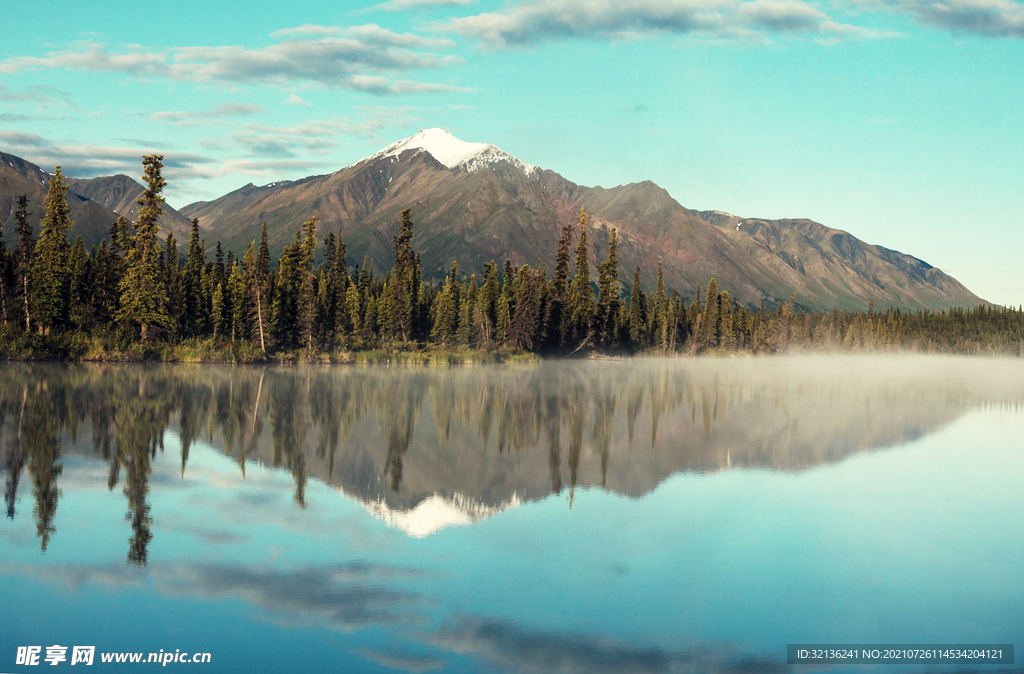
581, 296
143, 297
637, 316
49, 275
606, 314
297, 309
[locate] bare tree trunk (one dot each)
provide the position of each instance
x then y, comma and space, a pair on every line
28, 316
259, 320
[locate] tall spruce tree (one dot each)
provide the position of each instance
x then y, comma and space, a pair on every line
307, 287
49, 286
607, 312
637, 314
581, 297
403, 291
143, 300
5, 280
23, 253
707, 335
556, 320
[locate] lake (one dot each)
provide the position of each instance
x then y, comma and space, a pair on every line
676, 515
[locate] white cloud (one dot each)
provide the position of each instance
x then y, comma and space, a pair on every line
350, 58
225, 110
533, 22
988, 18
295, 100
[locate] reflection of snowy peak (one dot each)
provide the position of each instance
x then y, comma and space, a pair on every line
452, 152
434, 513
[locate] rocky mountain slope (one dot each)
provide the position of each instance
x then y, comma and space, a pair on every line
474, 203
95, 202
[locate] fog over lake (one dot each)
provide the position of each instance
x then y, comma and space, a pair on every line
648, 515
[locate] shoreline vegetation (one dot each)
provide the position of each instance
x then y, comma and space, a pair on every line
137, 298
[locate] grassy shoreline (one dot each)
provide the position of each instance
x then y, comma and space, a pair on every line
75, 347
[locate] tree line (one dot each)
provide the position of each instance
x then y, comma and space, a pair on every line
135, 286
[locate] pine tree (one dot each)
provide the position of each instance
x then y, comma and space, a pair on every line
143, 302
405, 283
581, 297
522, 328
308, 287
193, 317
607, 311
447, 311
236, 293
23, 253
727, 336
660, 312
217, 306
488, 307
556, 320
707, 335
254, 290
6, 279
49, 286
80, 314
637, 314
468, 308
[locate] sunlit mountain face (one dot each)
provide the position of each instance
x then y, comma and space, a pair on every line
621, 516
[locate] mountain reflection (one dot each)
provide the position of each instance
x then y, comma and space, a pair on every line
477, 439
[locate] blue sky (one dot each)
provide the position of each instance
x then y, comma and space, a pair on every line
897, 120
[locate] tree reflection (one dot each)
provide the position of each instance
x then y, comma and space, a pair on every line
616, 426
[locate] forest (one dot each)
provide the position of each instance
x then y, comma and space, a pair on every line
139, 297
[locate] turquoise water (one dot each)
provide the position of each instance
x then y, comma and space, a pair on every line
627, 516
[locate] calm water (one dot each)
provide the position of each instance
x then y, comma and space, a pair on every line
645, 516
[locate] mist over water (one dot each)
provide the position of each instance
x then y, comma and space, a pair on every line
644, 515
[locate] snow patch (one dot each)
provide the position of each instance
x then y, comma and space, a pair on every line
434, 513
452, 152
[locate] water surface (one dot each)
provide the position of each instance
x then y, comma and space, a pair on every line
629, 516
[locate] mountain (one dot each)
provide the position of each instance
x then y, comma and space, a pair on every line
17, 177
473, 203
119, 193
95, 203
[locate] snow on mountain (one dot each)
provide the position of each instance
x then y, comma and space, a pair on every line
452, 152
433, 513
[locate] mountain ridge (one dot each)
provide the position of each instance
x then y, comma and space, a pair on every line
477, 203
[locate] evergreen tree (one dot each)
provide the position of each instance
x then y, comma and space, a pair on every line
607, 311
523, 326
143, 302
556, 320
447, 311
308, 286
193, 317
79, 294
217, 306
49, 286
488, 307
707, 336
23, 254
405, 283
468, 308
727, 335
660, 318
637, 314
236, 293
581, 297
255, 288
6, 280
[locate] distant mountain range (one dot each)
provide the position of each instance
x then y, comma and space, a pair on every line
473, 203
95, 202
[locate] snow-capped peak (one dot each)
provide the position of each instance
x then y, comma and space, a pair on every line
434, 513
452, 152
